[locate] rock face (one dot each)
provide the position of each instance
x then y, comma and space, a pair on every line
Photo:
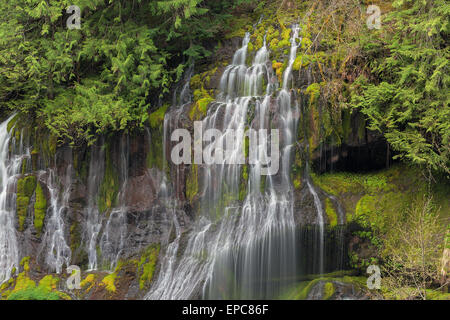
130, 215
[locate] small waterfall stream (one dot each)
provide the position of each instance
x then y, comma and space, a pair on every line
321, 225
10, 164
114, 234
54, 243
94, 220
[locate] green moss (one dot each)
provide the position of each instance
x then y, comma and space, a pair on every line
26, 289
300, 291
46, 145
40, 208
274, 44
195, 82
192, 183
376, 199
437, 295
109, 188
297, 182
49, 282
155, 152
25, 263
202, 99
301, 61
366, 205
278, 67
243, 184
26, 186
109, 282
314, 91
331, 213
24, 166
297, 169
12, 122
147, 264
25, 190
305, 288
87, 283
328, 290
202, 80
22, 209
250, 48
156, 118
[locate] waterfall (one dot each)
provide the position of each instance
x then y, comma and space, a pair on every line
114, 234
10, 165
58, 253
238, 250
320, 214
94, 220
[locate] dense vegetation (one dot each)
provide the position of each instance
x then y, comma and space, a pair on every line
407, 94
109, 74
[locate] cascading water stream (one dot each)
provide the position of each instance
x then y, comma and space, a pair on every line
320, 215
233, 250
58, 253
10, 165
94, 220
115, 231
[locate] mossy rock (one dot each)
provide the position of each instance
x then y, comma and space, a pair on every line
26, 289
202, 99
192, 183
109, 188
156, 118
331, 213
26, 186
147, 264
328, 290
40, 208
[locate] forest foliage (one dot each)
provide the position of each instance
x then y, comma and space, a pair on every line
406, 96
109, 74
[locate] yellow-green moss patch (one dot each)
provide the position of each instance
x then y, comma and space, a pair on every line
108, 282
40, 208
25, 190
328, 290
156, 118
331, 213
147, 264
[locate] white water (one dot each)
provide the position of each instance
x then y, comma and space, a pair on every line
321, 224
54, 243
94, 220
113, 238
233, 250
9, 169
